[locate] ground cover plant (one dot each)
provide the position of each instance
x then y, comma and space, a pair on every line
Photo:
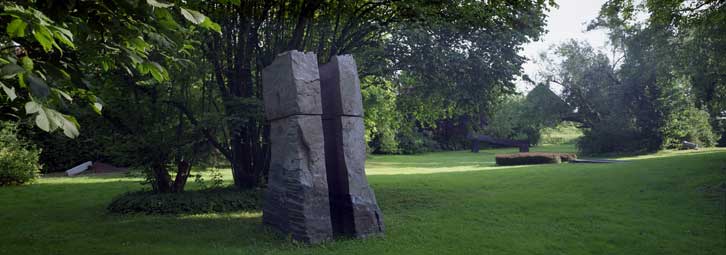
189, 202
435, 203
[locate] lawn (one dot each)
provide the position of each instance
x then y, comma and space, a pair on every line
437, 203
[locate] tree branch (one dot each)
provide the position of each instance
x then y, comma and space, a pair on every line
207, 134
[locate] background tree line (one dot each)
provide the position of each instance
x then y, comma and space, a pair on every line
664, 83
178, 82
165, 85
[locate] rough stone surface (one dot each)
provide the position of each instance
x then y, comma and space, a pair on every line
341, 87
291, 85
297, 201
317, 187
354, 210
367, 217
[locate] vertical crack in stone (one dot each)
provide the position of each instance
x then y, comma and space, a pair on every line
354, 209
317, 185
296, 201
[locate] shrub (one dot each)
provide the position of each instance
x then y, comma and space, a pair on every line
412, 140
530, 158
612, 136
691, 124
382, 120
188, 202
18, 160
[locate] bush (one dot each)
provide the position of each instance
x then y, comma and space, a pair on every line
413, 139
188, 202
531, 158
18, 160
691, 125
382, 120
613, 136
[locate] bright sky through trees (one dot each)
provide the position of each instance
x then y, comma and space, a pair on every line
566, 22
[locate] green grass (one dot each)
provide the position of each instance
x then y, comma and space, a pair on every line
436, 203
564, 133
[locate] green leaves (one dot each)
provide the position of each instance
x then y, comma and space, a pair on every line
10, 70
16, 28
193, 16
209, 24
38, 87
43, 35
49, 120
43, 29
97, 107
64, 36
27, 63
199, 19
42, 120
158, 71
155, 69
10, 91
158, 4
32, 107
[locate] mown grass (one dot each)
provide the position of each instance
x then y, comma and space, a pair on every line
436, 203
564, 133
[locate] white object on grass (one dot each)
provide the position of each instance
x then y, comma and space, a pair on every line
79, 169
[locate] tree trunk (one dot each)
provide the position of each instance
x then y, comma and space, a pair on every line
182, 174
162, 180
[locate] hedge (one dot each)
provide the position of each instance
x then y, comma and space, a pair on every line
530, 158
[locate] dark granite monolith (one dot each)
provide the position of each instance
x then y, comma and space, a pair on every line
354, 210
296, 201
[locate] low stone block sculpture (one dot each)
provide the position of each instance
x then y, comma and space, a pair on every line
317, 187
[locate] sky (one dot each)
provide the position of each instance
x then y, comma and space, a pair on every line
566, 22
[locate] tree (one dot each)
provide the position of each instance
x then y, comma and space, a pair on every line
79, 48
685, 38
72, 40
487, 35
442, 59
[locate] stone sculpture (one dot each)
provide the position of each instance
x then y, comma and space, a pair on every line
354, 210
317, 188
296, 201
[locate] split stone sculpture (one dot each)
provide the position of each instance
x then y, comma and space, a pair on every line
354, 210
296, 202
317, 188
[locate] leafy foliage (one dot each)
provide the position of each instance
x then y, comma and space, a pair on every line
381, 119
51, 51
18, 160
673, 53
189, 202
690, 124
524, 118
629, 108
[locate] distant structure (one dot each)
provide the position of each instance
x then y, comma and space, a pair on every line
523, 145
317, 187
